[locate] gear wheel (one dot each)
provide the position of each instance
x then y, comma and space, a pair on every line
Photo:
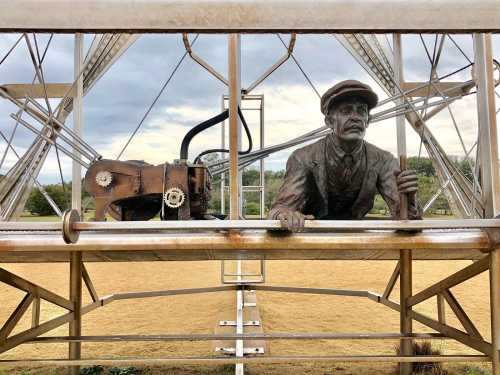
174, 197
104, 178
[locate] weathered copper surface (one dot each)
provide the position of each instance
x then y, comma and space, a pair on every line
134, 190
338, 176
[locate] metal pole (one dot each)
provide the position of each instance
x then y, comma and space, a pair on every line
223, 175
75, 279
495, 309
488, 147
405, 255
262, 166
234, 77
234, 124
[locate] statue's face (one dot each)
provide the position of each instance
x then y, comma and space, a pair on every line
348, 119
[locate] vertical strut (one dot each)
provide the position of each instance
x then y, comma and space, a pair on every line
405, 255
75, 325
234, 77
488, 147
495, 308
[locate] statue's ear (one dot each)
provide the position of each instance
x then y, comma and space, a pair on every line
330, 122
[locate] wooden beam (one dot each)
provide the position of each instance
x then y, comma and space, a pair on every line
246, 360
88, 282
461, 314
441, 308
455, 279
16, 315
45, 327
235, 336
35, 313
37, 291
392, 281
466, 339
495, 309
37, 90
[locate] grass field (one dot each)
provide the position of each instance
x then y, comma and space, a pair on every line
280, 312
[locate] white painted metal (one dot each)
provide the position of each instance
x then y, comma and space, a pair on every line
250, 15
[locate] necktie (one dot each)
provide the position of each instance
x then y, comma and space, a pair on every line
348, 163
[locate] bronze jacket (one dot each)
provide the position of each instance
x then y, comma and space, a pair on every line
304, 188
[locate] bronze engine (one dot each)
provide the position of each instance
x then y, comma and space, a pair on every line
134, 190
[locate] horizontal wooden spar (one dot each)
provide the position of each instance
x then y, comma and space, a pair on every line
234, 360
247, 244
250, 16
246, 336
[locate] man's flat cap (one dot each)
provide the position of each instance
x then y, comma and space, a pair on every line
346, 89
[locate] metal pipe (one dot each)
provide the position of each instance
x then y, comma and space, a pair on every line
222, 225
259, 244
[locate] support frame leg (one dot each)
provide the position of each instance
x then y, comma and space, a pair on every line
75, 325
495, 309
406, 326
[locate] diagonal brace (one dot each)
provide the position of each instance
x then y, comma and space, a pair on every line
461, 314
455, 279
37, 291
392, 280
90, 286
16, 315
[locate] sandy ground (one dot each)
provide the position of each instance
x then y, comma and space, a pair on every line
281, 312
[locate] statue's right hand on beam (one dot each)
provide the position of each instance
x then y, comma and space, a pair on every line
293, 220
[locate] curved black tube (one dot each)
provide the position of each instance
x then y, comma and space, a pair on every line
198, 129
247, 151
207, 124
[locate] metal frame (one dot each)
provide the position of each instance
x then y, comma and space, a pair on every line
326, 16
469, 336
274, 16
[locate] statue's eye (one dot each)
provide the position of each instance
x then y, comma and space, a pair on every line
362, 111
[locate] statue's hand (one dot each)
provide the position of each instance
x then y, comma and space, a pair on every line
293, 220
407, 181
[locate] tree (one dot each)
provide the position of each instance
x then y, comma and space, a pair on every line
38, 205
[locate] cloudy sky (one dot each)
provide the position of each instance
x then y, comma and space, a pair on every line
116, 104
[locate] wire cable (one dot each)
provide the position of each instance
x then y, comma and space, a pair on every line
146, 114
300, 67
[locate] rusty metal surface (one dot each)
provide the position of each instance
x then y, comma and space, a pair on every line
134, 190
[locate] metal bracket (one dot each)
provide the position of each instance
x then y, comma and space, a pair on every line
260, 277
258, 350
232, 323
275, 66
205, 65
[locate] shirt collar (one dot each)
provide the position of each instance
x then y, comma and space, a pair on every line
335, 150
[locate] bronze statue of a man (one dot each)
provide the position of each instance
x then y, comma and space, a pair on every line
338, 176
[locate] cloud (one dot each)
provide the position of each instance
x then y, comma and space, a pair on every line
118, 102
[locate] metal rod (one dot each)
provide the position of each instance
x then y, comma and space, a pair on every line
216, 225
234, 336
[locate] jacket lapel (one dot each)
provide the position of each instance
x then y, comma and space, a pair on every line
318, 166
